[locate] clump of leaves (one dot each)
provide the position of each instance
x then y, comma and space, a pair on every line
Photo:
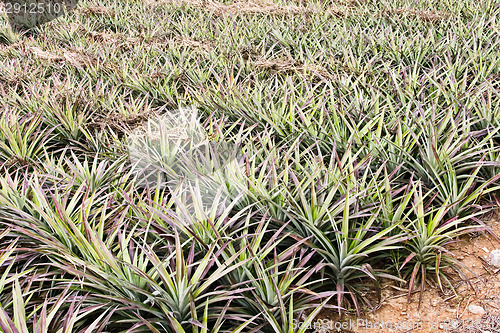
430, 232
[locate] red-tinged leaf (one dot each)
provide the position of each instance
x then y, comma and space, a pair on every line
410, 257
41, 325
340, 295
6, 323
356, 305
422, 284
438, 275
412, 281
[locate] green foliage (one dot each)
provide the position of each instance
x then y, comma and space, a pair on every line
368, 132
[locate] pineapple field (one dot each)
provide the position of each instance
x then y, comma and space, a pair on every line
241, 166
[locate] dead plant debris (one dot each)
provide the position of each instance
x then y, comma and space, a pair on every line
120, 123
177, 41
98, 10
113, 38
429, 16
72, 57
254, 7
184, 41
288, 66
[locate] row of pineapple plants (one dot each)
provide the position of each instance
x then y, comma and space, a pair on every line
315, 224
351, 181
